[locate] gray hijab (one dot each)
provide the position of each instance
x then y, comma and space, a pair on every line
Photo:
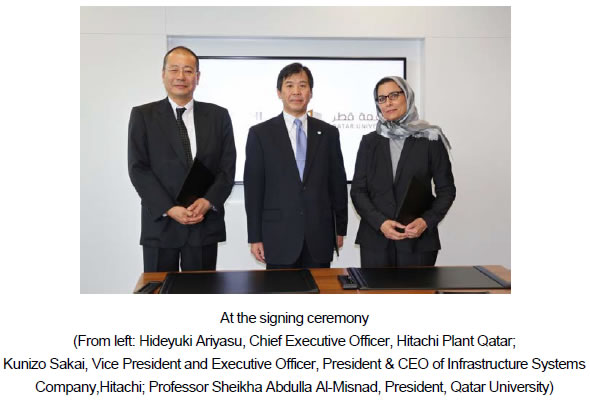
409, 124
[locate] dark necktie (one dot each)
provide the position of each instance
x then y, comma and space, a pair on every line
186, 143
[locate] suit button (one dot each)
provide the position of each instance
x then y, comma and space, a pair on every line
301, 212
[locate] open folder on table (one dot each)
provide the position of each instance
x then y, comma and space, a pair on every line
240, 282
440, 278
196, 183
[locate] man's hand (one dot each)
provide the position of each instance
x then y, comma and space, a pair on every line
200, 207
388, 229
184, 216
257, 249
416, 228
340, 241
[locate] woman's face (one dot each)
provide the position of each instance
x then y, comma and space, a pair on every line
392, 110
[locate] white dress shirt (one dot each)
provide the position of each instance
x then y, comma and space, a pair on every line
189, 121
292, 128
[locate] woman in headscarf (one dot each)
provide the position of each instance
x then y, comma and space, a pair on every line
401, 150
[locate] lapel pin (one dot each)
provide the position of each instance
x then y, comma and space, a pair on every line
319, 132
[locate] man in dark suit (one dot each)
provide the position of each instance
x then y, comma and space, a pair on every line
294, 182
164, 138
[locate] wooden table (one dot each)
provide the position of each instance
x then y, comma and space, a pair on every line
327, 281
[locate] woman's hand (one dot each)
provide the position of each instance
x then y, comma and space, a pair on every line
388, 229
415, 228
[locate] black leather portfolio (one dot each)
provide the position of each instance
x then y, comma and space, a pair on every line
426, 278
240, 282
196, 184
417, 200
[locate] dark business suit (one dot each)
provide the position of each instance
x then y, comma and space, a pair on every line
157, 167
377, 197
283, 211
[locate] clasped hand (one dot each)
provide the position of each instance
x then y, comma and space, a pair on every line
191, 215
411, 231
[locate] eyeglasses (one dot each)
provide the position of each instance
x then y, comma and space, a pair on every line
391, 96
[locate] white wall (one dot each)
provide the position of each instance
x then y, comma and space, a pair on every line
464, 82
467, 88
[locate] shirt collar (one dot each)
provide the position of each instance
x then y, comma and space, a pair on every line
290, 119
189, 106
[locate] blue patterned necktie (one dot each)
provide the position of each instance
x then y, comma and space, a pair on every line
301, 147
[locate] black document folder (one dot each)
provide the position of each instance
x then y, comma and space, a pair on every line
240, 282
196, 184
417, 199
426, 278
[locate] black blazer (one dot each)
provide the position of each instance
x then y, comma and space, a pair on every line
377, 197
282, 210
157, 168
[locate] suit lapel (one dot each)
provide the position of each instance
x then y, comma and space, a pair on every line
385, 153
202, 128
167, 122
314, 136
406, 150
283, 144
383, 146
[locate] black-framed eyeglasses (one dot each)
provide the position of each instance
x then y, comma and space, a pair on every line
391, 96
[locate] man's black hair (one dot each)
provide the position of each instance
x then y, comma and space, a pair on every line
291, 69
182, 48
